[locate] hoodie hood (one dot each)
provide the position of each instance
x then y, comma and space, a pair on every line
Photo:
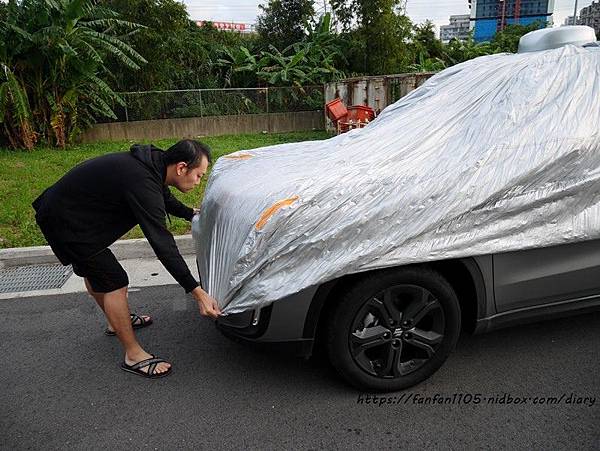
151, 156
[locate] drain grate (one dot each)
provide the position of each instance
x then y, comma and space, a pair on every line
34, 277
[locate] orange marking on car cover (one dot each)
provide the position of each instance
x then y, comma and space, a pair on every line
274, 209
239, 156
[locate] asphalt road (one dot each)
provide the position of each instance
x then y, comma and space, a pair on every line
62, 389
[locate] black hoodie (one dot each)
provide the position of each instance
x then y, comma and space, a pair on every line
98, 201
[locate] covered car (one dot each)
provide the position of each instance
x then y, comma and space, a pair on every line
497, 154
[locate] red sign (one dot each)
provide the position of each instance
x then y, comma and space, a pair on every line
228, 26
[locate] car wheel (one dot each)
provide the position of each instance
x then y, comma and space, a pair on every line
393, 329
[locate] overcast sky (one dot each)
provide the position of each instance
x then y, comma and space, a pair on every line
437, 11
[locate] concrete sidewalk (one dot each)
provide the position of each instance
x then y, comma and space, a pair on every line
136, 256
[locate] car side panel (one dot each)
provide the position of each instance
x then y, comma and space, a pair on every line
485, 300
546, 275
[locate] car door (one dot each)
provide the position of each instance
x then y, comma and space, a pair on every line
541, 276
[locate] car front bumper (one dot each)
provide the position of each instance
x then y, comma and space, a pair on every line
281, 324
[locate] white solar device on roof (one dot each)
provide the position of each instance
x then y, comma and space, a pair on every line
553, 38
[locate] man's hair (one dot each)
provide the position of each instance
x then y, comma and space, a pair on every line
188, 151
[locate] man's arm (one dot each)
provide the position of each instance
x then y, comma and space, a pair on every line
147, 204
175, 207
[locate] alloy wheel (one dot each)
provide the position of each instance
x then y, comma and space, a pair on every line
397, 331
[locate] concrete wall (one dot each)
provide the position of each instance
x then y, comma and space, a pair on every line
376, 91
206, 126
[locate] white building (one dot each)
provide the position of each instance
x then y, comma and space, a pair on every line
458, 28
590, 16
569, 21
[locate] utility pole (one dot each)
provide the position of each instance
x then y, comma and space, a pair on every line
575, 14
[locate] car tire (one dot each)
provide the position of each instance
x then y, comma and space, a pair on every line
422, 327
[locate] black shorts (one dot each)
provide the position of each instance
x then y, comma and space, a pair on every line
103, 272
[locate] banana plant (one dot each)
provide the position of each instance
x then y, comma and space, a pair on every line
15, 113
427, 64
311, 61
55, 52
235, 61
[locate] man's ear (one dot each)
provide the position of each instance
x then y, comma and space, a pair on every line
179, 167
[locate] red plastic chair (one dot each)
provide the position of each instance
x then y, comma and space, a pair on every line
336, 110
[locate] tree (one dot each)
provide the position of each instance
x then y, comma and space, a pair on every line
458, 51
165, 43
507, 40
428, 50
425, 41
53, 80
284, 22
307, 62
180, 54
377, 34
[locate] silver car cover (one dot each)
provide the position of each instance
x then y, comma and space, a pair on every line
496, 154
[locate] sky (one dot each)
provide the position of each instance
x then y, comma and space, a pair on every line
418, 10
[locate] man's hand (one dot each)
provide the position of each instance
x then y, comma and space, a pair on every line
207, 305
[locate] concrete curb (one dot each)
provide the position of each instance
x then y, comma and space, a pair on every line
123, 249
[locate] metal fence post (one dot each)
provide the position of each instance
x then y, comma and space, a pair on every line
126, 113
201, 109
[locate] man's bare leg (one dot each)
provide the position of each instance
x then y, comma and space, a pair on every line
115, 307
99, 298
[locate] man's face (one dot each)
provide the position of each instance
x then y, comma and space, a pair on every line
187, 179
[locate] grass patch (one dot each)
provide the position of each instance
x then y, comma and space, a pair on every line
24, 175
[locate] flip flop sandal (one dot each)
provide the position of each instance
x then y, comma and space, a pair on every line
151, 363
137, 322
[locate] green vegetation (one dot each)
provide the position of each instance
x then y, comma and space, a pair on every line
180, 54
52, 75
377, 36
284, 21
24, 175
62, 62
